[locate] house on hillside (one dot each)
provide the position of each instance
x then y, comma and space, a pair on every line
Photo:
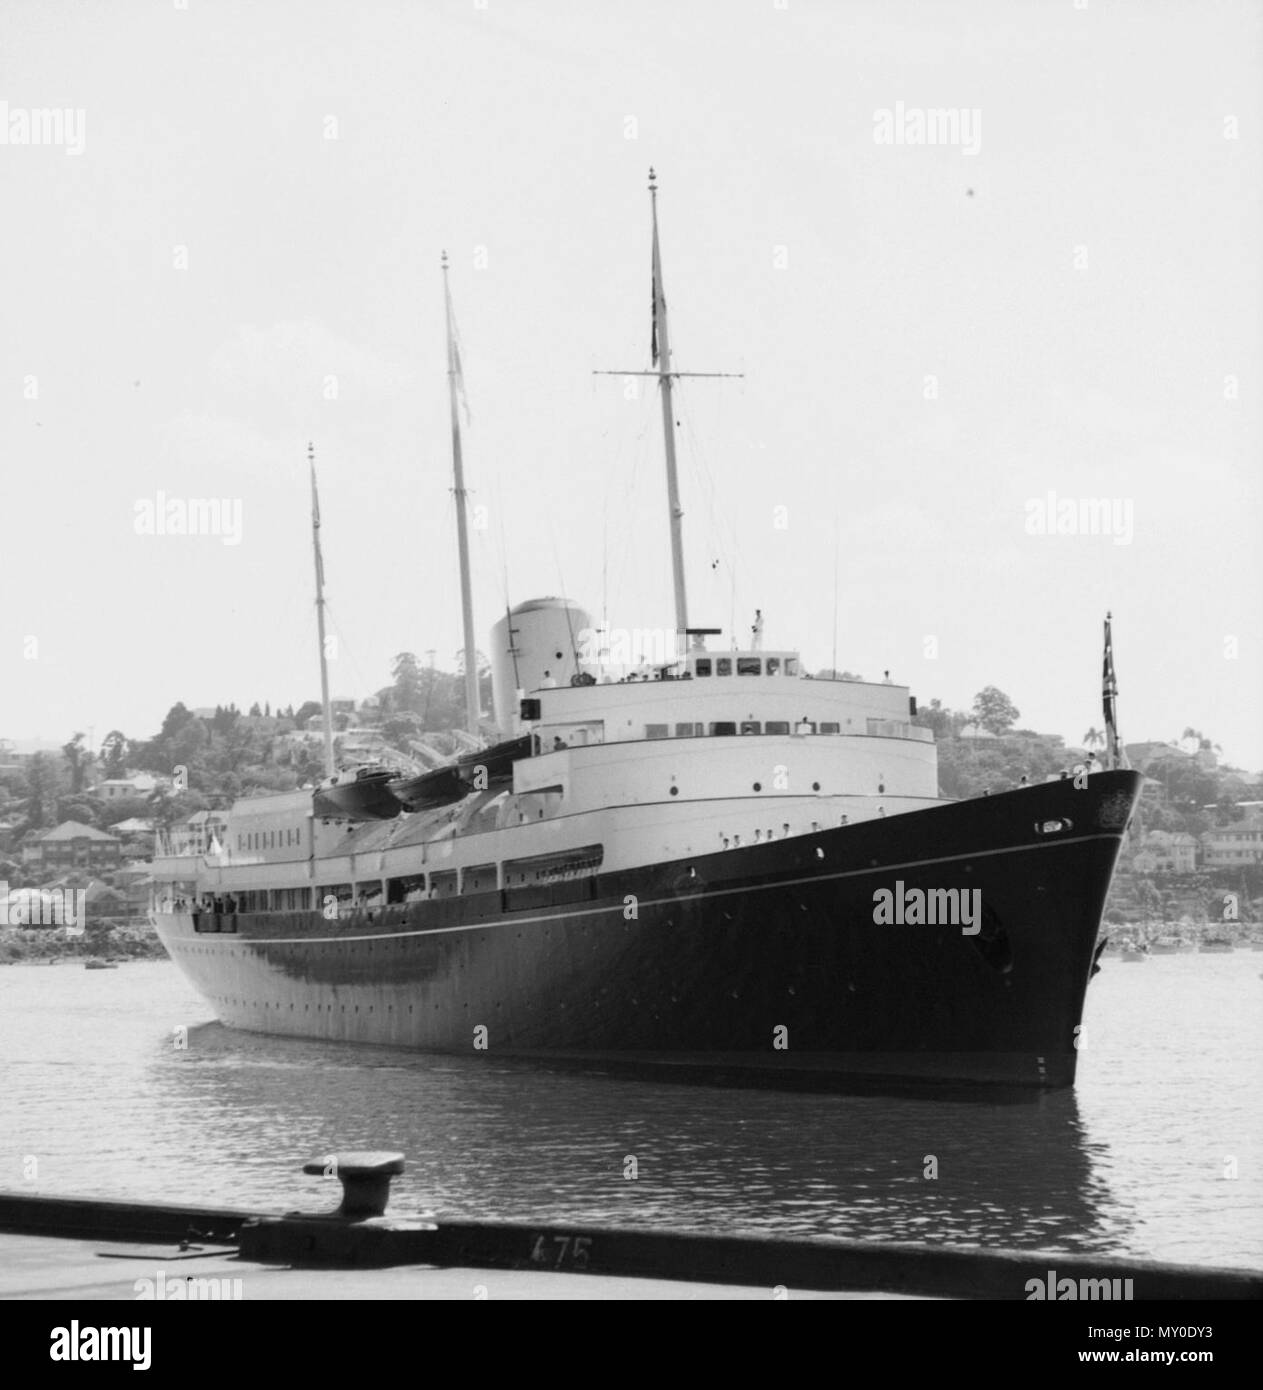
72, 845
138, 787
1140, 755
1166, 852
1233, 846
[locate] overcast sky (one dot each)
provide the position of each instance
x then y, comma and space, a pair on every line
238, 251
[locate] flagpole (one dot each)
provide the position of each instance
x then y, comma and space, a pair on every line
1109, 701
325, 708
662, 360
455, 383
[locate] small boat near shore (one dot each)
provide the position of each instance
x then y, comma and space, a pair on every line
1216, 945
95, 964
1134, 953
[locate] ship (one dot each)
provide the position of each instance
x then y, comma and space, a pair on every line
715, 868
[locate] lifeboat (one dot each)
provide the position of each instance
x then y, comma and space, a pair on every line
438, 787
498, 761
443, 785
361, 793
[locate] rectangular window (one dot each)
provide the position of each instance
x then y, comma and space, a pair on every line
749, 666
791, 665
656, 730
773, 665
750, 726
443, 885
478, 878
723, 666
830, 728
702, 666
405, 890
685, 730
776, 726
723, 730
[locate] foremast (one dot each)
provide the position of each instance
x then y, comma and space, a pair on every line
455, 385
325, 707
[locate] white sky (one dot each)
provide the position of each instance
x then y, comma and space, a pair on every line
501, 133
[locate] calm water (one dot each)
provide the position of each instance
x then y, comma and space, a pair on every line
1134, 1162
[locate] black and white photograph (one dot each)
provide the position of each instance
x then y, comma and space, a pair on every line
630, 666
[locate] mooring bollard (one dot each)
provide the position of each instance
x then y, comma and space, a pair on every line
365, 1177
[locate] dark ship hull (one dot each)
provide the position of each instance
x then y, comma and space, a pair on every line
762, 965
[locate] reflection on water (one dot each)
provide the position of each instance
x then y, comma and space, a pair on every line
96, 1090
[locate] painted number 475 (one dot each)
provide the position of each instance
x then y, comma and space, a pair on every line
573, 1247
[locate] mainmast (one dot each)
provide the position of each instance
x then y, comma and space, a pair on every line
662, 360
455, 383
325, 707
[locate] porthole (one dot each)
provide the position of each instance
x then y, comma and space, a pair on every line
815, 786
675, 791
758, 786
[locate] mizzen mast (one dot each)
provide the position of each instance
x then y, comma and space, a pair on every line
455, 384
326, 708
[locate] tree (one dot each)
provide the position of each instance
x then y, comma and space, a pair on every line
399, 728
42, 779
408, 690
86, 810
77, 756
994, 711
114, 753
305, 712
1094, 738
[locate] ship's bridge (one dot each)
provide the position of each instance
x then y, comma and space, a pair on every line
711, 694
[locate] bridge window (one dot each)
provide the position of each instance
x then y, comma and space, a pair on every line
723, 730
723, 666
657, 730
749, 666
701, 666
830, 728
773, 665
791, 665
776, 726
689, 730
751, 726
